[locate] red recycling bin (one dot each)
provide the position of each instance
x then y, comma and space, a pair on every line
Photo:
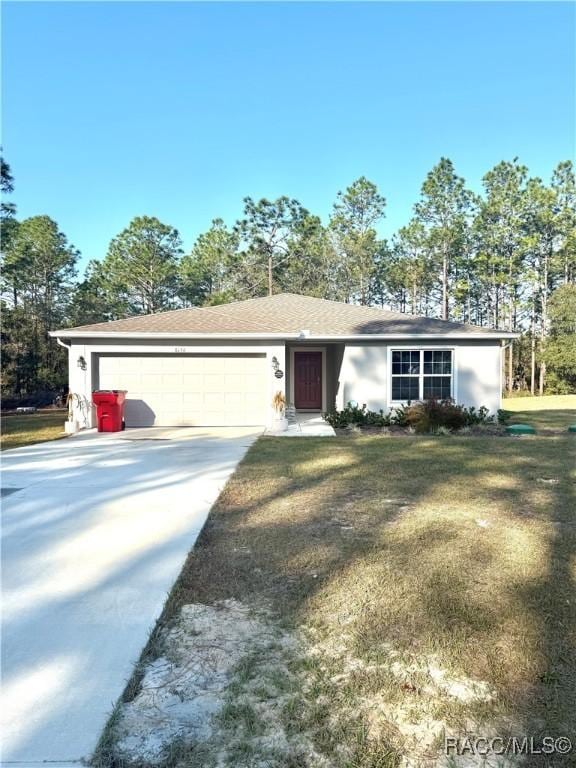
109, 409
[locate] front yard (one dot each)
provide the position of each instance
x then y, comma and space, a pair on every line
358, 598
24, 429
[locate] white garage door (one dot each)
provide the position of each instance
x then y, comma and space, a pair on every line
191, 390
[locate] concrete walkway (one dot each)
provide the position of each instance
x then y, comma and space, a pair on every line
303, 424
95, 531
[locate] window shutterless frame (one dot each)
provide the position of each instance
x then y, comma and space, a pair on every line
421, 372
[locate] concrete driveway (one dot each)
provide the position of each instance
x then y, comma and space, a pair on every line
95, 531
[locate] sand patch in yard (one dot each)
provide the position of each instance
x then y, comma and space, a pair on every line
412, 725
217, 690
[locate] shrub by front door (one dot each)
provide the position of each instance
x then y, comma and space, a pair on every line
308, 380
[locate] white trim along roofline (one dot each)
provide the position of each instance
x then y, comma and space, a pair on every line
364, 337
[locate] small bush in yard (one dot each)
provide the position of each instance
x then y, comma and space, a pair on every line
428, 415
353, 415
480, 416
399, 415
434, 415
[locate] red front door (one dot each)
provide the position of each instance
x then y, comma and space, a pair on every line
308, 380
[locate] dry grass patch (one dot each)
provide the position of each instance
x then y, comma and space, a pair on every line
418, 586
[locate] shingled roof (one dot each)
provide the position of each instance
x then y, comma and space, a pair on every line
284, 314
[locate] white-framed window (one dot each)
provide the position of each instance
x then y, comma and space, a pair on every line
420, 374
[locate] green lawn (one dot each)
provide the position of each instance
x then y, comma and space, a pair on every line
428, 584
25, 429
548, 412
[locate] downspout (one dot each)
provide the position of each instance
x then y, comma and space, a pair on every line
68, 347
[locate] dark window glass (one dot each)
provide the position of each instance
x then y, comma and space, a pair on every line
437, 386
406, 362
405, 388
437, 362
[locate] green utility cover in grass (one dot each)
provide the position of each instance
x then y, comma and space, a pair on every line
520, 429
572, 428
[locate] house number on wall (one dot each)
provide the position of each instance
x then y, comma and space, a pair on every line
179, 349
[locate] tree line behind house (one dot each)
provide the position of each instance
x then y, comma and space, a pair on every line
505, 258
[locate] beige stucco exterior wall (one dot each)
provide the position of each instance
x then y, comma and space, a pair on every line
79, 383
363, 376
353, 371
477, 373
334, 358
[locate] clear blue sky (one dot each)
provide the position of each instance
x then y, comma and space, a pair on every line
179, 110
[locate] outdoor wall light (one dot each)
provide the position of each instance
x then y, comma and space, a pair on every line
81, 363
275, 363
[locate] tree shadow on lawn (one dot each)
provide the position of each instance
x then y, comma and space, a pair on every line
456, 549
549, 695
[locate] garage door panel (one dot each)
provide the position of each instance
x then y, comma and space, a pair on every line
132, 383
234, 381
214, 382
146, 365
213, 365
191, 398
153, 380
171, 401
252, 382
193, 381
172, 381
213, 400
195, 390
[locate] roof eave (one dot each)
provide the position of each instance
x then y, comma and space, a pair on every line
63, 334
493, 334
